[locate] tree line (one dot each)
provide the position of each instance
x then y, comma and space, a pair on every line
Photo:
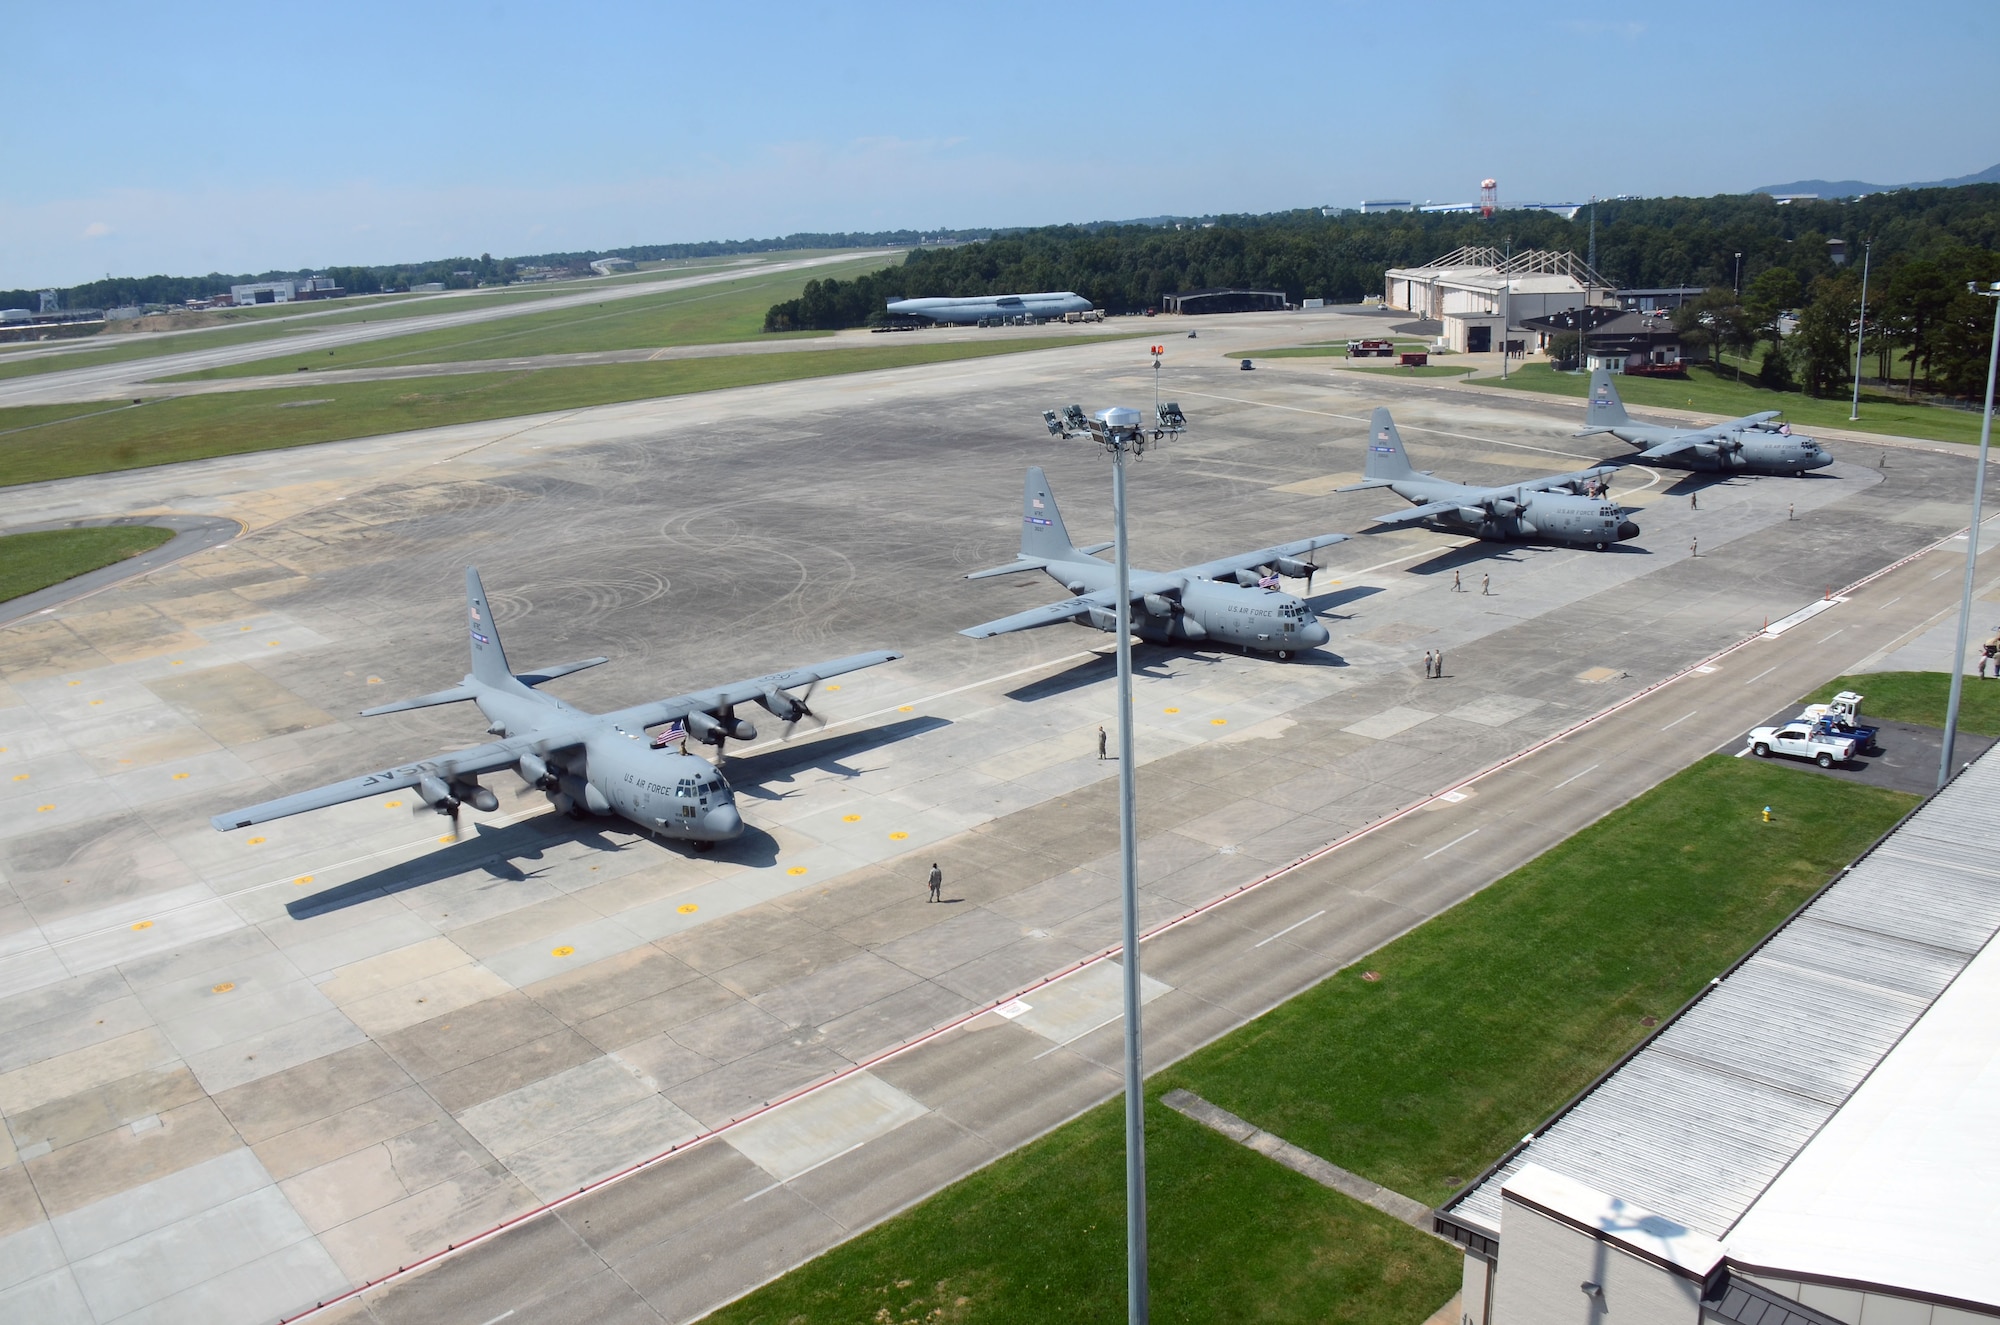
1926, 244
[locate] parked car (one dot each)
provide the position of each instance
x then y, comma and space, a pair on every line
1801, 742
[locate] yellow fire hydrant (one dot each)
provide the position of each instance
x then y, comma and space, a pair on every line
1767, 814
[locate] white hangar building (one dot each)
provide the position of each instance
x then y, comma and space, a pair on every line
1476, 292
1814, 1140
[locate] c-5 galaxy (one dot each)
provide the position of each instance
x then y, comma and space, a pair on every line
1749, 445
1229, 601
586, 763
1558, 508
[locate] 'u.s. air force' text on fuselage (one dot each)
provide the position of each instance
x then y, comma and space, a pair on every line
1749, 445
1230, 601
1563, 508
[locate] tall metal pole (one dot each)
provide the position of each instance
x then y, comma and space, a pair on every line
1507, 309
1121, 432
1971, 549
1861, 329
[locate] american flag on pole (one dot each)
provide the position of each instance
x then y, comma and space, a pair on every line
675, 732
1268, 582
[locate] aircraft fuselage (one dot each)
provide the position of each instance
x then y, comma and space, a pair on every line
1177, 609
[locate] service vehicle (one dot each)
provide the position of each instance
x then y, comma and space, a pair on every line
1801, 741
1371, 349
1841, 717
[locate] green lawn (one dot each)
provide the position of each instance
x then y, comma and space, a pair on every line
1921, 697
705, 315
1713, 394
35, 561
275, 322
173, 429
1483, 1022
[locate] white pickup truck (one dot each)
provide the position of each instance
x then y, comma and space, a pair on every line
1800, 741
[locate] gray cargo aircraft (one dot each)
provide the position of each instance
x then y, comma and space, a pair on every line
586, 763
1222, 602
1749, 445
989, 308
1554, 508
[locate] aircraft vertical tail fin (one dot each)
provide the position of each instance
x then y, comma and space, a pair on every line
1042, 531
489, 659
1605, 410
1386, 457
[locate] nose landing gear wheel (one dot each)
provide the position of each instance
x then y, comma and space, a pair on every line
704, 846
1284, 655
1601, 547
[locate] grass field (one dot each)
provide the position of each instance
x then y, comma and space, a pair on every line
1921, 698
1483, 1022
35, 561
276, 322
705, 315
1717, 395
174, 429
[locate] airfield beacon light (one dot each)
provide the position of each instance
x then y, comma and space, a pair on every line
1861, 329
1972, 533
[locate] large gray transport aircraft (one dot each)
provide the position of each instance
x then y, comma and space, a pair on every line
1229, 601
586, 763
989, 308
1559, 509
1749, 445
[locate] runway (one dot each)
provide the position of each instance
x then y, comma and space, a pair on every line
419, 1040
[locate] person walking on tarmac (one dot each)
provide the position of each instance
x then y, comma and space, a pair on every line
937, 883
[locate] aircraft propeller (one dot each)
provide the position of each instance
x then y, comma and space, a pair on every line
802, 709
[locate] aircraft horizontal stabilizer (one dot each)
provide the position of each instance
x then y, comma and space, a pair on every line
1025, 563
451, 696
535, 678
1366, 483
1092, 549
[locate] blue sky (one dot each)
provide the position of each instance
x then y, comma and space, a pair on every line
188, 138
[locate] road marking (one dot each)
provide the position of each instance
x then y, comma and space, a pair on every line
1289, 928
1449, 845
1678, 721
1891, 603
1761, 675
502, 1316
1824, 638
1116, 1016
800, 1174
1572, 777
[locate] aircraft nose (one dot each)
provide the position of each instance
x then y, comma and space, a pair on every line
1626, 529
722, 824
1313, 634
1821, 458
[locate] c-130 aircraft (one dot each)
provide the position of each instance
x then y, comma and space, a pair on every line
1749, 445
586, 763
1226, 601
1553, 508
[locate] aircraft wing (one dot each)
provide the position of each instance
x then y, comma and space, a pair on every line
1069, 609
1556, 480
1424, 512
741, 692
1666, 450
488, 758
1714, 432
1263, 556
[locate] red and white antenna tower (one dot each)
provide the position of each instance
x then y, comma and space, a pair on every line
1489, 196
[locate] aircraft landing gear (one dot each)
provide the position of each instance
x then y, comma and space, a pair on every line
1284, 655
1602, 546
704, 846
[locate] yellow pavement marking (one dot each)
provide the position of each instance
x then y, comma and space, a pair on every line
906, 708
20, 777
564, 951
833, 687
687, 908
43, 809
176, 662
796, 869
374, 680
1171, 710
143, 924
255, 842
1218, 722
302, 880
178, 777
392, 805
76, 683
898, 836
224, 987
850, 818
95, 702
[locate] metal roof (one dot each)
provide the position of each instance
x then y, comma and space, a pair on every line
1700, 1120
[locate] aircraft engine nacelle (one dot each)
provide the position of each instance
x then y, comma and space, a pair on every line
1502, 507
1707, 450
1474, 514
1246, 578
781, 705
711, 729
1159, 606
1190, 628
1298, 570
534, 770
431, 791
582, 794
1102, 617
468, 792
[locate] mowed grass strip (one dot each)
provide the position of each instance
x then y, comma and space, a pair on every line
1040, 1236
174, 429
1920, 698
35, 561
1706, 391
703, 315
1487, 1018
1483, 1021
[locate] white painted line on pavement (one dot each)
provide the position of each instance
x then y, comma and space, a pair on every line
1449, 845
1678, 721
1289, 928
1824, 638
1891, 603
1116, 1016
1761, 675
502, 1316
800, 1174
1572, 777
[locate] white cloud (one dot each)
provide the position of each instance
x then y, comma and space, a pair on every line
96, 230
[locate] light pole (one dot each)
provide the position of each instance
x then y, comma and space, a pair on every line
1739, 275
1506, 306
1861, 329
1971, 540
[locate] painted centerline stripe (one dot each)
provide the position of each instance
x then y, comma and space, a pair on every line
1678, 721
800, 1174
1761, 675
1449, 845
1572, 777
1289, 928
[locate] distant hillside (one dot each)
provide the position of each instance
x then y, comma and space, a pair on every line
1850, 188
